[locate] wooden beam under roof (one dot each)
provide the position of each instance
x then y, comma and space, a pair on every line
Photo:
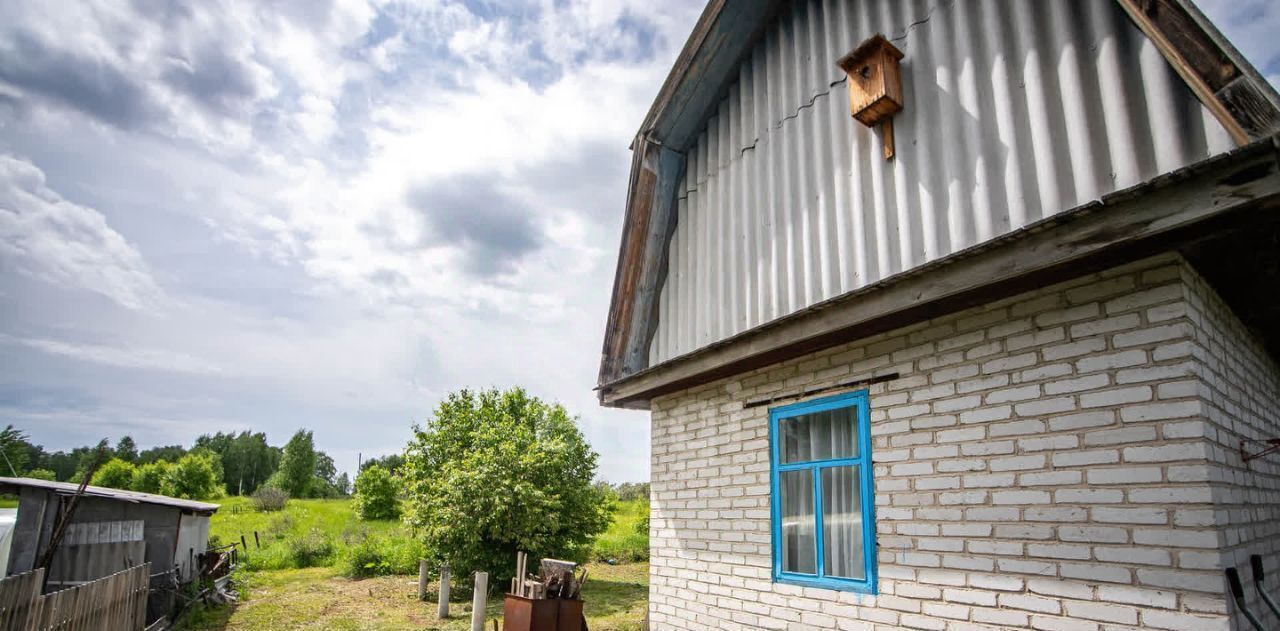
1217, 74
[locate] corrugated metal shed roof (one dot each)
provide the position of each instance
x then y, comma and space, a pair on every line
67, 488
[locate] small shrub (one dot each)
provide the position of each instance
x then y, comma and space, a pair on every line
281, 525
194, 476
42, 474
150, 477
375, 496
381, 556
310, 550
114, 474
270, 499
642, 526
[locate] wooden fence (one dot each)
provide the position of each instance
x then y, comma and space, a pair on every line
113, 603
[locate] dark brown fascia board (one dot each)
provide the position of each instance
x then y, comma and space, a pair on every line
1148, 218
1221, 78
621, 307
722, 37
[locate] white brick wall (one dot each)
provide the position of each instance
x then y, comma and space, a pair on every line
1040, 463
1239, 387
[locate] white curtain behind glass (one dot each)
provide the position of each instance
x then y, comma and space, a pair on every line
842, 523
814, 437
820, 436
799, 541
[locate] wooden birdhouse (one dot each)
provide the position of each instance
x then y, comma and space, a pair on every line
875, 85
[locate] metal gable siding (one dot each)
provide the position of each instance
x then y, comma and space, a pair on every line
1014, 111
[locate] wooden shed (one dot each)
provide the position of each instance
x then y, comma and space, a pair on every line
110, 531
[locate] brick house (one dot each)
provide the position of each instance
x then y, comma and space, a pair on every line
1014, 376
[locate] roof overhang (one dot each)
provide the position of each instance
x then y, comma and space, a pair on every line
1236, 94
133, 497
1231, 189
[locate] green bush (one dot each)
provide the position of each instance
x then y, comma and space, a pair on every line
375, 555
375, 496
42, 474
270, 499
194, 476
114, 474
627, 539
310, 550
496, 472
149, 478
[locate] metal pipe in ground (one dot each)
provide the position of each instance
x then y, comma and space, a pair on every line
478, 601
443, 597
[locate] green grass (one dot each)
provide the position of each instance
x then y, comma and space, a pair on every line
615, 597
280, 592
306, 533
622, 542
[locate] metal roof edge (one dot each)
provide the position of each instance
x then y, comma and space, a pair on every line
68, 488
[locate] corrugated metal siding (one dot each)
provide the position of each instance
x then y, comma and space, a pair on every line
193, 541
1014, 111
92, 550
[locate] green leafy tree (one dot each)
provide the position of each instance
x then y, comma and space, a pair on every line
343, 485
42, 474
390, 462
298, 465
14, 451
632, 491
169, 453
326, 481
63, 464
114, 474
150, 477
375, 496
194, 476
247, 459
495, 472
126, 449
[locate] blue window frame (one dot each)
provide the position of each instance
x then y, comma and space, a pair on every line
822, 502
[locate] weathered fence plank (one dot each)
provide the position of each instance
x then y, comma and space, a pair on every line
18, 594
117, 602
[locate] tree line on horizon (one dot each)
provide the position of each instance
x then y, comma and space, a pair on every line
215, 465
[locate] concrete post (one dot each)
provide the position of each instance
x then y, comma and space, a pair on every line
444, 593
478, 601
422, 579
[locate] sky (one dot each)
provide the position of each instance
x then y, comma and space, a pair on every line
328, 214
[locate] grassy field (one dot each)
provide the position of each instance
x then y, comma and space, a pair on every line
627, 539
307, 533
281, 593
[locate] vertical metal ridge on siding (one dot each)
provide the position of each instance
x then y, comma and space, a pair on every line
1014, 111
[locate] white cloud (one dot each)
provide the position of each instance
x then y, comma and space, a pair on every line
324, 293
65, 243
132, 357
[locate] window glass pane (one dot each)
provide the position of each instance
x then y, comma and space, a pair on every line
819, 436
799, 543
842, 523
